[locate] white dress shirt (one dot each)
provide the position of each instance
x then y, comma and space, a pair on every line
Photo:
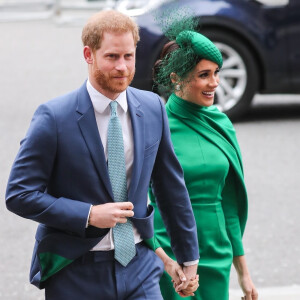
102, 114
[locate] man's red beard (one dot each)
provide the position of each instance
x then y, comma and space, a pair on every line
109, 83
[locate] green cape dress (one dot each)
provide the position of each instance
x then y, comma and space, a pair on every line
205, 144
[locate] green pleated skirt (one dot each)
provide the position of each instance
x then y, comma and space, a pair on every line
215, 253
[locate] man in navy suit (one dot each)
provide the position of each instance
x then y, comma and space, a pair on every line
60, 179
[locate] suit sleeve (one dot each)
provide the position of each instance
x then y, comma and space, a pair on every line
26, 193
231, 213
172, 198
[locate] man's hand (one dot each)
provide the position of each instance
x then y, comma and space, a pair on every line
109, 214
190, 273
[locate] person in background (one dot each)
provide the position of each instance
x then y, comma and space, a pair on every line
83, 171
205, 144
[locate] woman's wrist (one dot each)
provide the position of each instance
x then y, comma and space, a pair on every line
163, 256
241, 266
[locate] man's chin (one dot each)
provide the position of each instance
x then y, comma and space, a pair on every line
119, 88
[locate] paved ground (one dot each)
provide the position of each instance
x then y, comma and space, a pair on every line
40, 60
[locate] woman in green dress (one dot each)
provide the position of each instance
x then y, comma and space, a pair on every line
205, 144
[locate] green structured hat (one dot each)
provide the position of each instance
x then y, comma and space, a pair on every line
181, 26
201, 45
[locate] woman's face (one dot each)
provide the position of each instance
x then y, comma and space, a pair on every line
200, 85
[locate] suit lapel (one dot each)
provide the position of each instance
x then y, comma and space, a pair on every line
90, 133
137, 120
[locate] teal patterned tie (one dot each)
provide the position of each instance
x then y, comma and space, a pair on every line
122, 233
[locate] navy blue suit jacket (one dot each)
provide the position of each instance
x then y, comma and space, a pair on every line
60, 170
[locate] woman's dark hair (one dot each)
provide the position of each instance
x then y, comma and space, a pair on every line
166, 50
175, 59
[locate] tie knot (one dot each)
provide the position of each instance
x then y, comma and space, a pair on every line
113, 107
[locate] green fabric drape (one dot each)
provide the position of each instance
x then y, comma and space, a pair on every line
217, 128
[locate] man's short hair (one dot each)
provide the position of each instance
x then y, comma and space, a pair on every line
107, 21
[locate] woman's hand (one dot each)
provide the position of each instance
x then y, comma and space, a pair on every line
175, 271
245, 281
247, 287
171, 267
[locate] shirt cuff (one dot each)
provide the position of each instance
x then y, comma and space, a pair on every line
191, 263
88, 217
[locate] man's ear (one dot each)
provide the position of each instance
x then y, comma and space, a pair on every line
88, 55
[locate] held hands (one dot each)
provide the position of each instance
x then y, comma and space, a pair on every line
185, 280
109, 214
188, 287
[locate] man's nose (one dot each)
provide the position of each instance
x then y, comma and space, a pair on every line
121, 65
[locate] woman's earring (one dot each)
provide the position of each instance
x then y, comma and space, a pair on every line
177, 87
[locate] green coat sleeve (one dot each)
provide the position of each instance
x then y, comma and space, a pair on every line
231, 212
152, 243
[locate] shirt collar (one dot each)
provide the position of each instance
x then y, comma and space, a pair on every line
101, 102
